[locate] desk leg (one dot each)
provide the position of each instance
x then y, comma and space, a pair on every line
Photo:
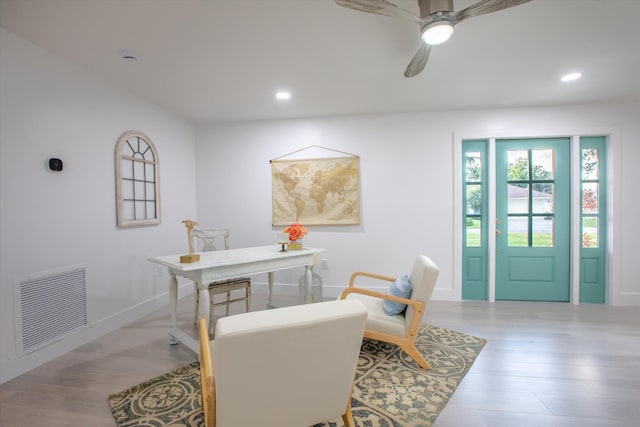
173, 307
308, 295
204, 304
270, 276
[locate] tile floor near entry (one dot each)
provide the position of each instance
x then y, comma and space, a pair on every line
545, 364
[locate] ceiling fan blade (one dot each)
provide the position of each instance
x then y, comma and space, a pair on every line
486, 6
418, 62
380, 7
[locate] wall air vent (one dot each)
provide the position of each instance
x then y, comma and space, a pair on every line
48, 307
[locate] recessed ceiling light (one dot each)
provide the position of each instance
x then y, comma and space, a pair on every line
571, 76
283, 95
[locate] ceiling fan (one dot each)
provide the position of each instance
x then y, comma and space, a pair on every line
436, 20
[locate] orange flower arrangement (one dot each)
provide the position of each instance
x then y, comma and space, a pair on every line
296, 231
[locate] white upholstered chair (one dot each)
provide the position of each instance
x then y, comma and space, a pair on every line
399, 329
291, 366
205, 242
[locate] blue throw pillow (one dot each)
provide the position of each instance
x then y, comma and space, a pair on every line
400, 288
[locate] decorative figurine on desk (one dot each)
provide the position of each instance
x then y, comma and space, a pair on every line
283, 239
192, 256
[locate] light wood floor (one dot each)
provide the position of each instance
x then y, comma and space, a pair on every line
545, 364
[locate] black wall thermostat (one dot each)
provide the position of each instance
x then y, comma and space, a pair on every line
55, 164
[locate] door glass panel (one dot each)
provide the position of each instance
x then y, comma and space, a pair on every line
543, 190
474, 199
473, 232
474, 167
543, 200
518, 198
589, 198
590, 232
542, 164
517, 165
542, 231
590, 164
518, 228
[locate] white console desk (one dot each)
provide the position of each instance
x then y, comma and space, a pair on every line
229, 264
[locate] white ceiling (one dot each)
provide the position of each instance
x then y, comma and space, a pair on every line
223, 60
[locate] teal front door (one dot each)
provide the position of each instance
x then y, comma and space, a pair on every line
532, 219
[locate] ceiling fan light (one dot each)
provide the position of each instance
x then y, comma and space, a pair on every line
437, 32
571, 77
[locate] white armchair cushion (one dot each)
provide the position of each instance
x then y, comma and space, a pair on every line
288, 366
377, 319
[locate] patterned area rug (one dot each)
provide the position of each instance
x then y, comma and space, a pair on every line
390, 389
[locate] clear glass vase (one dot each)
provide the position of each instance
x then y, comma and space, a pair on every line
316, 288
295, 245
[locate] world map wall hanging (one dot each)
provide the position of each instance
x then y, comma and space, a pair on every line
318, 191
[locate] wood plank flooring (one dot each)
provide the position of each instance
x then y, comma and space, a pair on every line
545, 364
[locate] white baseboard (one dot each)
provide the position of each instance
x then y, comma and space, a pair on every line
626, 298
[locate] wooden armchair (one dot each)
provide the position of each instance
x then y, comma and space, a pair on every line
207, 377
399, 329
291, 366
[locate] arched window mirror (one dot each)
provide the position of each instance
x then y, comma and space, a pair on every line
137, 180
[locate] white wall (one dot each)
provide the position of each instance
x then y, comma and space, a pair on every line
408, 186
51, 221
397, 220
